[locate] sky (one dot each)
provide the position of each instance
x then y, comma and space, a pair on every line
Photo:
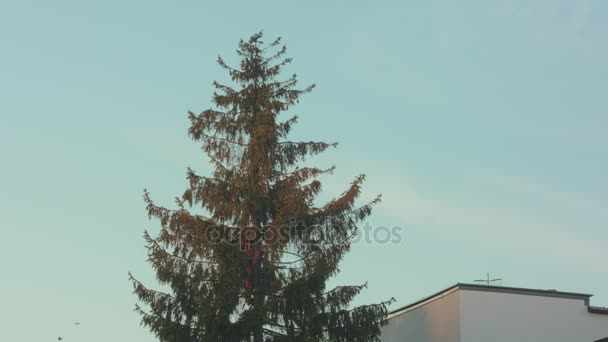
482, 124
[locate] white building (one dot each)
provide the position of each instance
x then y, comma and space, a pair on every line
477, 313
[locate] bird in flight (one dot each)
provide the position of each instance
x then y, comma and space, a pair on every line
59, 338
76, 323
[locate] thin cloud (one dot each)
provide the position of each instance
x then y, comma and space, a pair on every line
497, 228
598, 210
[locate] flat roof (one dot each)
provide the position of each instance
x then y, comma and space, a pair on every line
498, 289
598, 310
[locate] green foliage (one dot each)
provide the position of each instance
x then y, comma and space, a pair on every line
241, 253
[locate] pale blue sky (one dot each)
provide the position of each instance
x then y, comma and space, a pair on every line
482, 123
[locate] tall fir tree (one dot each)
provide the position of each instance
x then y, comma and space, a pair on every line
247, 252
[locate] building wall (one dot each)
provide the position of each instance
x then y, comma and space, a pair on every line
481, 316
507, 317
437, 321
599, 326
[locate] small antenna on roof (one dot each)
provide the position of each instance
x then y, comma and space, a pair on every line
488, 281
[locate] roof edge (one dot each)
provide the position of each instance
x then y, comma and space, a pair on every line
524, 291
598, 310
498, 289
424, 300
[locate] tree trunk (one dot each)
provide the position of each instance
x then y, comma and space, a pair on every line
259, 294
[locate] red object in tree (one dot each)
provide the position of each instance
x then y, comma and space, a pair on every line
249, 270
247, 284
